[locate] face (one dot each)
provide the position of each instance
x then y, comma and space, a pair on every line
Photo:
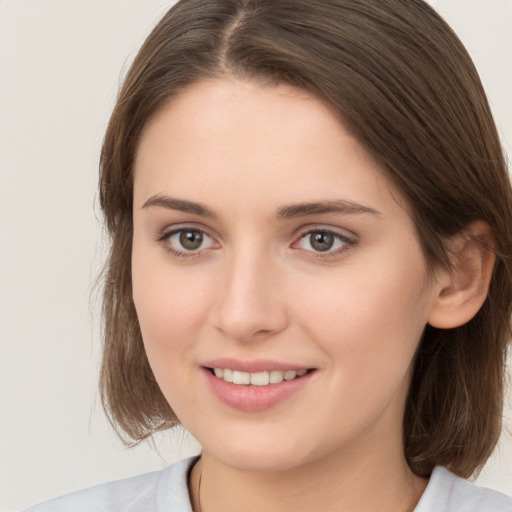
277, 277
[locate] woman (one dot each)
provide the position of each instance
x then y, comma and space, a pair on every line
310, 267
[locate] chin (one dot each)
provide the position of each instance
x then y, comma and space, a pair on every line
259, 462
266, 455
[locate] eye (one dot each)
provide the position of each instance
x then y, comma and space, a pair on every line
324, 241
187, 241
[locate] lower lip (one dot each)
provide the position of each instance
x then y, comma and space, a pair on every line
249, 398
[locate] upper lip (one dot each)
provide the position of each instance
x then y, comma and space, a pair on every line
260, 365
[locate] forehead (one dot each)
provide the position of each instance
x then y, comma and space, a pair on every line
215, 114
276, 141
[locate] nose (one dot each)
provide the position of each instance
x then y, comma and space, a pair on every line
250, 304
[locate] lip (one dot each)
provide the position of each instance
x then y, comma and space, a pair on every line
249, 398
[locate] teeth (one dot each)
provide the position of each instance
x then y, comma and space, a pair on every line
258, 378
241, 377
276, 377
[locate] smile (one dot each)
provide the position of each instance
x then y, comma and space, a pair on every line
258, 390
258, 378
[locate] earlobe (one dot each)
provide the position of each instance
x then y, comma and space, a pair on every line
461, 292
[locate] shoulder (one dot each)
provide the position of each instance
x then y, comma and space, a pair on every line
149, 492
447, 492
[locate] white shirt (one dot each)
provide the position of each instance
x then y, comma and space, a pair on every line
166, 491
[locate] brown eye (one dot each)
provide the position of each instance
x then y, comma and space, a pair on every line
324, 241
321, 241
191, 240
187, 242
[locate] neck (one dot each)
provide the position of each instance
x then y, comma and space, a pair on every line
337, 482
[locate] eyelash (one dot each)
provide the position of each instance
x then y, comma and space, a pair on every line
346, 241
164, 240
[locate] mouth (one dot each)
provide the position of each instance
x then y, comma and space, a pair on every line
264, 378
255, 386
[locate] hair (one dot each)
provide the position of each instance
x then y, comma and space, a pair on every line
408, 91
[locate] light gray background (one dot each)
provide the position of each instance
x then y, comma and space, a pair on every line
60, 67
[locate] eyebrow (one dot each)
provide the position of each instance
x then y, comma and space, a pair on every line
339, 206
179, 205
291, 211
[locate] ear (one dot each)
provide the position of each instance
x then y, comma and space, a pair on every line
461, 292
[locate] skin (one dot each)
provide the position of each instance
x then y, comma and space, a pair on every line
258, 289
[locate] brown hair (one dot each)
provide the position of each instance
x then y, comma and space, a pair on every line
407, 89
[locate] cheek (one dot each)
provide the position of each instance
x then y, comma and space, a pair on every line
169, 303
369, 330
369, 320
171, 312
